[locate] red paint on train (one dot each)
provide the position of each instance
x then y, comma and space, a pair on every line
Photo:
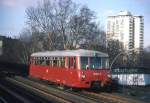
71, 73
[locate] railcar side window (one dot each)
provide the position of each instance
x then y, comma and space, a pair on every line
47, 62
51, 62
33, 61
58, 61
38, 61
42, 62
63, 62
74, 62
69, 62
54, 62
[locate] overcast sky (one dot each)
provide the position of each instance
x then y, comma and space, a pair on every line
13, 17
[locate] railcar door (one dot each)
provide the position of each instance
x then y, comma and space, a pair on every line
73, 75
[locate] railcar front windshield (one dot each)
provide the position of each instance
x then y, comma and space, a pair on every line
94, 62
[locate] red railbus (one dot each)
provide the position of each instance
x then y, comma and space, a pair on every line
73, 68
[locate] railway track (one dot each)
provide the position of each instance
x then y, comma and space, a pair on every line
6, 96
111, 98
105, 97
12, 93
97, 97
61, 96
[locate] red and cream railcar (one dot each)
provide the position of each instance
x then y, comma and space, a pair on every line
74, 68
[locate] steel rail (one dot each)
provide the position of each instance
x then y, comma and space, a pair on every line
68, 90
49, 90
117, 96
39, 92
113, 98
15, 94
97, 97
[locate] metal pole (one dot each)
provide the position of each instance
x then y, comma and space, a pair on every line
115, 59
120, 54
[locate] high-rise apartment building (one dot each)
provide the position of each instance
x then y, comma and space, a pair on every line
127, 29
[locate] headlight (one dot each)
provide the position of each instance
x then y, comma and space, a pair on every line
83, 76
109, 75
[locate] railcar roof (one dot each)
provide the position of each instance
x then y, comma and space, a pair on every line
80, 52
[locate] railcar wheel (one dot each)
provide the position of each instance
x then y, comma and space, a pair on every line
108, 89
115, 84
61, 87
75, 89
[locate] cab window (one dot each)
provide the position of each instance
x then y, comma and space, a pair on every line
95, 62
84, 62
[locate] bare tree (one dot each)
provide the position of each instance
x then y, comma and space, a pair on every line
51, 18
114, 47
146, 57
62, 23
84, 29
